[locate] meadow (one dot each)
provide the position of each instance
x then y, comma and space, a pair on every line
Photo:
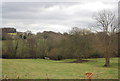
63, 69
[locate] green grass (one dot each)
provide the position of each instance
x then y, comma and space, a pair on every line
44, 69
12, 33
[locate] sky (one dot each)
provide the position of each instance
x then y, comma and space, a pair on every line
53, 16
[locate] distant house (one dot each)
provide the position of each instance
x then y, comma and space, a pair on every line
8, 33
8, 30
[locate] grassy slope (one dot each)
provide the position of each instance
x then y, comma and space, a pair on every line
12, 33
43, 69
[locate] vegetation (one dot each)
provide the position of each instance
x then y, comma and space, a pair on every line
108, 24
78, 44
12, 33
63, 69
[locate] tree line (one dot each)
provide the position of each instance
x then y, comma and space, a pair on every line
78, 43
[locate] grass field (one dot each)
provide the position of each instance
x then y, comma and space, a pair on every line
12, 33
49, 69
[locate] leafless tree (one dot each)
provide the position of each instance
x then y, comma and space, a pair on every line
107, 23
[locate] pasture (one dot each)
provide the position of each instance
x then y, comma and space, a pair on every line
50, 69
13, 34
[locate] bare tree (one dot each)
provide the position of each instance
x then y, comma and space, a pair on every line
105, 21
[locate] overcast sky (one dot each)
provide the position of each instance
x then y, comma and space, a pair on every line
52, 16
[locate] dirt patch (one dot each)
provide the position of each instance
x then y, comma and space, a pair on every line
79, 61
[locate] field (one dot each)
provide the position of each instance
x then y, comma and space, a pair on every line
12, 34
49, 69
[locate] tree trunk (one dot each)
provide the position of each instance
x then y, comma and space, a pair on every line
16, 47
107, 62
107, 51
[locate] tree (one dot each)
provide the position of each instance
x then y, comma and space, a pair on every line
32, 45
80, 43
10, 49
105, 21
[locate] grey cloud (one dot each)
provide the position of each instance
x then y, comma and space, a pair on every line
30, 10
30, 15
58, 0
